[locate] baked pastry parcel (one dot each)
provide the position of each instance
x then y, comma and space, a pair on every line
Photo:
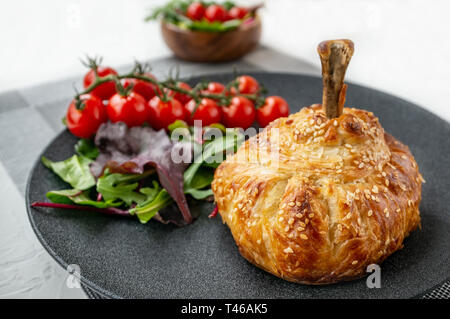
318, 196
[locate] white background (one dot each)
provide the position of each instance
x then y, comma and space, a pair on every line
401, 47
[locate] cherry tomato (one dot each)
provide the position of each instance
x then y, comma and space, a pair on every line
237, 13
84, 122
103, 91
182, 98
240, 113
273, 108
215, 88
208, 112
131, 109
146, 89
248, 85
216, 12
162, 114
195, 11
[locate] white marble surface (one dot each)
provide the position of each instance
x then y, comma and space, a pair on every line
401, 48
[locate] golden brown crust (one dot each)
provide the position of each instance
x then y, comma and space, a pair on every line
315, 200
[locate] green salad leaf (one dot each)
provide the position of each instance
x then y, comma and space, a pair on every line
122, 187
86, 148
75, 196
203, 178
74, 170
157, 199
213, 152
198, 176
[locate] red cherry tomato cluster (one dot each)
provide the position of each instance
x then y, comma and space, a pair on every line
198, 11
145, 102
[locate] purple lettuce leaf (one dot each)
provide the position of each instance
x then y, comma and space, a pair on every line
129, 150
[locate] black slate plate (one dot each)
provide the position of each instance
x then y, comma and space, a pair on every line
119, 257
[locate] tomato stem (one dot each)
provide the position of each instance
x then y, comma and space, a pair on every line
223, 99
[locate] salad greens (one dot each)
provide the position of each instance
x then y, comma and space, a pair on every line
74, 170
75, 196
86, 148
175, 12
138, 176
121, 187
158, 198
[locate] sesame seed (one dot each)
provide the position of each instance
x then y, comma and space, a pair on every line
280, 219
300, 229
302, 224
240, 206
299, 215
298, 204
311, 215
354, 262
375, 189
404, 157
288, 250
283, 206
386, 181
369, 213
409, 202
292, 204
291, 221
286, 229
258, 241
335, 123
385, 210
387, 214
348, 146
303, 236
398, 210
361, 165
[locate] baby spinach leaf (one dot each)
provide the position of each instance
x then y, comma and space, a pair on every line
86, 147
199, 194
212, 153
147, 210
75, 196
121, 187
202, 179
74, 170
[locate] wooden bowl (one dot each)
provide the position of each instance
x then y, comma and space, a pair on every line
201, 46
